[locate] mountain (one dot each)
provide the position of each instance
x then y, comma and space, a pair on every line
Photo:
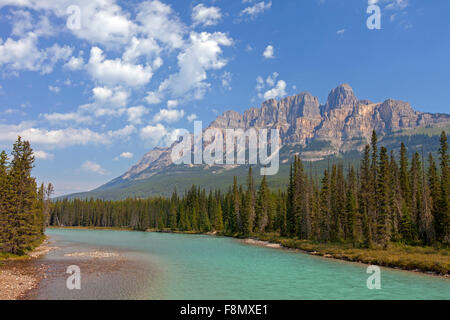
338, 129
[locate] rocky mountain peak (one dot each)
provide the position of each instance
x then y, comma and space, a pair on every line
341, 97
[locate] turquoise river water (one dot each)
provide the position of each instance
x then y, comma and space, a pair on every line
176, 266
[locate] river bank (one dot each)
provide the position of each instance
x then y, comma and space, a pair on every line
21, 274
428, 260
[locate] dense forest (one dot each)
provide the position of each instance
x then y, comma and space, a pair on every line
388, 198
24, 208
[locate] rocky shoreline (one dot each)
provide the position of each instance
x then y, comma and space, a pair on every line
20, 276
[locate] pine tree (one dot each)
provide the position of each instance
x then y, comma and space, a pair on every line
263, 207
443, 224
325, 212
426, 230
404, 174
435, 193
366, 198
351, 209
218, 222
236, 209
25, 213
5, 226
383, 190
290, 209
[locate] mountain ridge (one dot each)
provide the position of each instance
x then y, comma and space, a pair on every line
341, 125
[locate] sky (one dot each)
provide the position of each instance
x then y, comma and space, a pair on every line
95, 84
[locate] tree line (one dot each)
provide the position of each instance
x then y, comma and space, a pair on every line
388, 198
23, 206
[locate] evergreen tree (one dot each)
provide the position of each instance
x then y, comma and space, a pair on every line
443, 225
218, 222
383, 190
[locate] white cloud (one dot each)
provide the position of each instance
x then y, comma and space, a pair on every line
269, 52
256, 9
23, 22
158, 21
114, 72
62, 138
90, 166
54, 89
147, 47
76, 117
278, 91
135, 114
203, 53
206, 16
75, 63
271, 79
192, 117
112, 97
340, 32
168, 115
391, 4
153, 97
153, 133
172, 104
24, 54
158, 135
126, 155
397, 5
227, 77
42, 155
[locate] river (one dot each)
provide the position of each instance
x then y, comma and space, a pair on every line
177, 266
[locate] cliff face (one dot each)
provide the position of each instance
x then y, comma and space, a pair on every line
341, 121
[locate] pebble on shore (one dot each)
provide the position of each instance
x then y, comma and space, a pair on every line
17, 278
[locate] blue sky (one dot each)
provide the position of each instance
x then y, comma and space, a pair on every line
93, 98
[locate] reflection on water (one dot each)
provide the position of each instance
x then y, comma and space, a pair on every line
170, 266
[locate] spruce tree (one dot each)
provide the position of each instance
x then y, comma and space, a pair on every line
443, 224
218, 222
383, 190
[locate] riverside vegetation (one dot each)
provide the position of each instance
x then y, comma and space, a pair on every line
24, 207
391, 211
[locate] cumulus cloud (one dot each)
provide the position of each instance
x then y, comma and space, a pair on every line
135, 114
153, 133
54, 89
116, 72
159, 135
256, 9
203, 53
42, 155
227, 77
75, 63
172, 104
391, 4
126, 155
168, 115
206, 16
277, 88
112, 97
192, 117
76, 117
61, 138
158, 21
269, 52
92, 167
24, 54
153, 97
278, 91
